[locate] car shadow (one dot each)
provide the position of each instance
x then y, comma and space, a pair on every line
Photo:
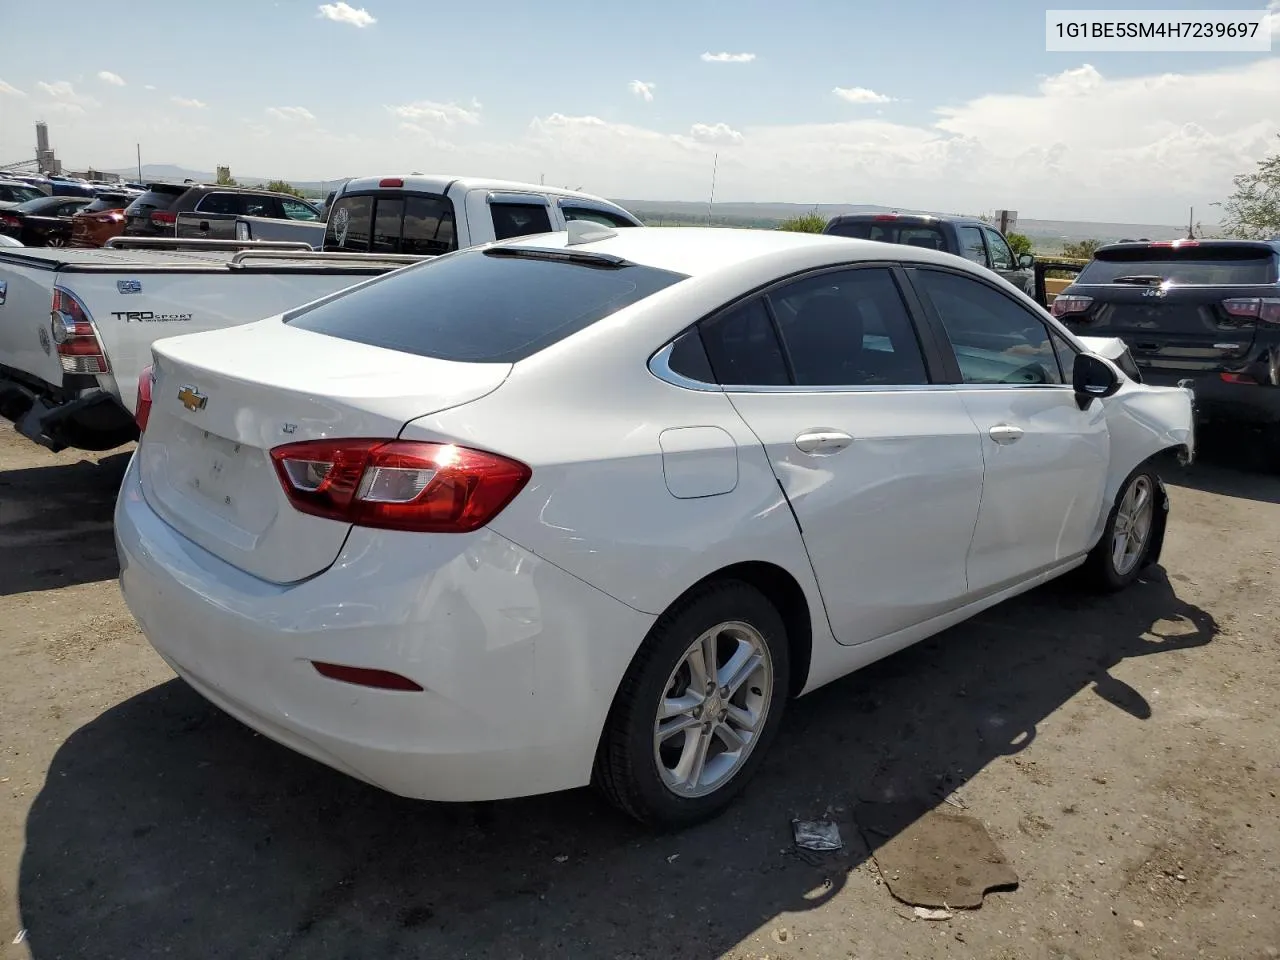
165, 827
1233, 461
55, 524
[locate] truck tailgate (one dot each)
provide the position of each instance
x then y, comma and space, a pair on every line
26, 299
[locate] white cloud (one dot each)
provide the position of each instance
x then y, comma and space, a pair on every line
63, 98
291, 113
61, 90
728, 57
106, 76
9, 90
149, 86
189, 102
444, 114
642, 90
717, 133
345, 13
860, 95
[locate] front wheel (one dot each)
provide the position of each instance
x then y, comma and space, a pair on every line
697, 707
1131, 531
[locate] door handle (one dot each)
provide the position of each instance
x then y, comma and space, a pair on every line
820, 443
1004, 433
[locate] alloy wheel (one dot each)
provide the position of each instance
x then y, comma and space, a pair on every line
1133, 525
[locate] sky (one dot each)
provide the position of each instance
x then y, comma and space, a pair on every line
928, 104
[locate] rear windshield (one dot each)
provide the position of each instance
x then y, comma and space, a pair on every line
480, 308
106, 201
416, 224
18, 192
1216, 266
887, 231
156, 198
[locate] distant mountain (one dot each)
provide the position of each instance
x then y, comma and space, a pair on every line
172, 173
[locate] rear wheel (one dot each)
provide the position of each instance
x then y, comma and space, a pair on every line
697, 708
1129, 535
56, 242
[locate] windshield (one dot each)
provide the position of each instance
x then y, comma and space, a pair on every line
1215, 266
483, 309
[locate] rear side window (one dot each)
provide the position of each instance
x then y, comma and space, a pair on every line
154, 199
743, 347
482, 308
297, 210
971, 247
252, 205
1216, 266
219, 203
519, 219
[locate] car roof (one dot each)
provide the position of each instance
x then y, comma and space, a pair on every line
1270, 245
699, 251
907, 217
440, 183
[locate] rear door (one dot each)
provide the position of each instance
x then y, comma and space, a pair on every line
1168, 303
1004, 263
882, 467
1045, 459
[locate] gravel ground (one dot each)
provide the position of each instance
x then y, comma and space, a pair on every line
1123, 752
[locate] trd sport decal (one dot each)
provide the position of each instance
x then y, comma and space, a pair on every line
147, 316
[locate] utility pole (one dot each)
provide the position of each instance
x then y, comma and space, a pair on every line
1191, 229
715, 165
139, 148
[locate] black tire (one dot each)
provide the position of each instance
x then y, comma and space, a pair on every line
626, 769
1101, 568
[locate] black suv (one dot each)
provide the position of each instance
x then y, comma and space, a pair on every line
963, 236
155, 213
1207, 311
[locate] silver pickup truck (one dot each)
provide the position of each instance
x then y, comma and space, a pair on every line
69, 378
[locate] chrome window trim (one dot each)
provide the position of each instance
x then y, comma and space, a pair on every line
660, 367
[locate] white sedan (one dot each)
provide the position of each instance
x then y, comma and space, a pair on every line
593, 506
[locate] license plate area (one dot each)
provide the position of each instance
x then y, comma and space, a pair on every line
216, 471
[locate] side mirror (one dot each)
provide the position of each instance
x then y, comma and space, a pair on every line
1026, 261
1093, 377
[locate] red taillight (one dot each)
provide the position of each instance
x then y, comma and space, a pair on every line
366, 677
391, 182
77, 342
1064, 306
1237, 378
142, 409
1265, 309
1174, 243
9, 221
163, 217
115, 216
398, 484
885, 216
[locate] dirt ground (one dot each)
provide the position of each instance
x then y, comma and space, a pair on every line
1123, 752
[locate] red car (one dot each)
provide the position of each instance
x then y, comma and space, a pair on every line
100, 221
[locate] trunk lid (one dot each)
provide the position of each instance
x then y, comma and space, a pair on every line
205, 456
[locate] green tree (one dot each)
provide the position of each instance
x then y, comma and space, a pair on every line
1019, 243
1080, 249
805, 223
283, 186
1253, 211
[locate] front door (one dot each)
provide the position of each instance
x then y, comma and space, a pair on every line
1045, 458
882, 468
1005, 263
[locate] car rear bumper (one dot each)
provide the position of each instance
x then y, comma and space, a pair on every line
1218, 400
517, 659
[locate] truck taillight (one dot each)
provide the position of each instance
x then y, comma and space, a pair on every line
1265, 309
398, 484
164, 218
142, 408
74, 336
1065, 306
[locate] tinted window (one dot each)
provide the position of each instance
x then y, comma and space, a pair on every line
595, 216
891, 231
252, 205
848, 328
477, 307
996, 340
387, 218
689, 358
743, 347
971, 245
428, 226
1066, 357
42, 205
1224, 265
154, 199
219, 203
1001, 255
297, 210
349, 223
519, 219
18, 193
106, 201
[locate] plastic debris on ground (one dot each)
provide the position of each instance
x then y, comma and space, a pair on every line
925, 913
822, 836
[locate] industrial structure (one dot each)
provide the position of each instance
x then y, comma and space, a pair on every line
45, 161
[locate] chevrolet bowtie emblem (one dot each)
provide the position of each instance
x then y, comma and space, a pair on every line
192, 398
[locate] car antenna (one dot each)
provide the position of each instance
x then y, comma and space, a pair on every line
585, 231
